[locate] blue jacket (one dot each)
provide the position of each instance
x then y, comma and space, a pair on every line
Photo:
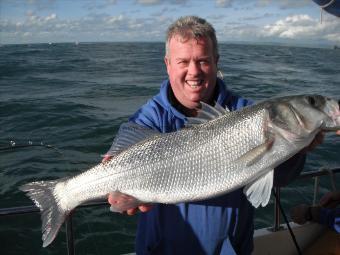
223, 225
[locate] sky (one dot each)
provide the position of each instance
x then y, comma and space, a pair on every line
52, 21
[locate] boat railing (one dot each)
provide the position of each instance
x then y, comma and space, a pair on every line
305, 175
20, 210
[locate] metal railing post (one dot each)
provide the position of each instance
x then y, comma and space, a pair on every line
70, 236
276, 226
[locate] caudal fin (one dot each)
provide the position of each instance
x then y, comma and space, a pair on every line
52, 214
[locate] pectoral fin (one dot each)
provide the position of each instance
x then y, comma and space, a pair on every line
255, 154
259, 191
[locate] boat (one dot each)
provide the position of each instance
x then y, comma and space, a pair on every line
291, 238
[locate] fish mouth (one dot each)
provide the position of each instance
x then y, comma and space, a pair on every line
336, 116
333, 111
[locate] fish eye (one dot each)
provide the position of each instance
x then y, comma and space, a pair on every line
311, 100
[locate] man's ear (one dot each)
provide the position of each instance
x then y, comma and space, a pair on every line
217, 59
167, 63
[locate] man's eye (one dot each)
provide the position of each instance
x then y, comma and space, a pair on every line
204, 62
182, 62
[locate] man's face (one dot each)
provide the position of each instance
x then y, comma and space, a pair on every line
192, 69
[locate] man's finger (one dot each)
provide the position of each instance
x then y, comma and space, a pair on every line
326, 199
106, 158
131, 211
318, 139
145, 208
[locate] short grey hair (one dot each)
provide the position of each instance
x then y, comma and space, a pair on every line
191, 27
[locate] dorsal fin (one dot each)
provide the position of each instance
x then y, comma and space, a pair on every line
222, 110
206, 113
129, 134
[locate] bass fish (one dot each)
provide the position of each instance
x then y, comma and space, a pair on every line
217, 152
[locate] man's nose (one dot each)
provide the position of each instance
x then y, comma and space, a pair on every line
194, 68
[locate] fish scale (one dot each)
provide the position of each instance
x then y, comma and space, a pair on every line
190, 163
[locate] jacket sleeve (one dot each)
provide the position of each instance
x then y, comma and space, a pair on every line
148, 116
289, 170
330, 218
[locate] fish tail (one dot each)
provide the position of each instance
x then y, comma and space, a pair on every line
45, 196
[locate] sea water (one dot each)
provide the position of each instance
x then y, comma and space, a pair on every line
75, 96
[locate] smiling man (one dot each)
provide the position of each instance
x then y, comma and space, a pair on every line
223, 225
192, 67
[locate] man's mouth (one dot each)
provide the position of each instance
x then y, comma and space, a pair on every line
194, 83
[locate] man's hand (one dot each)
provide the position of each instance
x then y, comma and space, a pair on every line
299, 214
112, 201
319, 137
132, 211
106, 158
330, 200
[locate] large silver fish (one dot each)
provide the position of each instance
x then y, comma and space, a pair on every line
218, 152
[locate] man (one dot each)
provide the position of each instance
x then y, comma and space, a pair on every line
223, 225
326, 212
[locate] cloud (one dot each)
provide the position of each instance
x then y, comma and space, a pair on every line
53, 16
303, 27
300, 28
148, 2
40, 5
237, 31
293, 4
284, 4
289, 27
163, 11
335, 37
157, 2
94, 5
223, 3
259, 17
93, 27
151, 22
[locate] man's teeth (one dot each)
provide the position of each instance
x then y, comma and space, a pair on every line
195, 84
